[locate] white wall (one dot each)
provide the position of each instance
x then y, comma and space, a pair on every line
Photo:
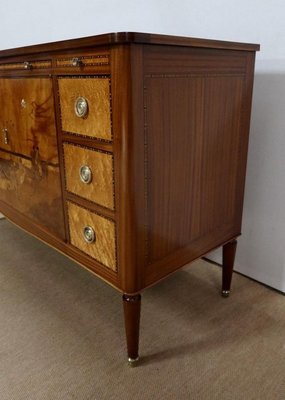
261, 249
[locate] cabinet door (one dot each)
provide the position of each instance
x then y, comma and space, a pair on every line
27, 117
29, 167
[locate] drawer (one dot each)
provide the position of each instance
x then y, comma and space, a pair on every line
79, 61
89, 174
83, 224
27, 121
85, 106
25, 65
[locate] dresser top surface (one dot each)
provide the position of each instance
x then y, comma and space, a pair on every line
126, 38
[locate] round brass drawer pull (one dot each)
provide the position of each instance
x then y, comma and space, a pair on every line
89, 234
85, 174
81, 107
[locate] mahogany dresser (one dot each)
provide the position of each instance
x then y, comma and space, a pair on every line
127, 152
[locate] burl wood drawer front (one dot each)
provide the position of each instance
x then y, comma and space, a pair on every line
95, 91
99, 165
103, 247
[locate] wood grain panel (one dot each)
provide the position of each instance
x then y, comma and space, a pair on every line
101, 189
222, 180
96, 90
104, 248
27, 112
182, 60
32, 187
193, 181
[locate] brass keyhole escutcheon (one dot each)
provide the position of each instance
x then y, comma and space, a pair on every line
5, 135
23, 103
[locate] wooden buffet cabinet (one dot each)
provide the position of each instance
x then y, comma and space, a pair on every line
127, 152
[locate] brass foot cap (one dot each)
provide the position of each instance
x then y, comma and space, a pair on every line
133, 361
225, 293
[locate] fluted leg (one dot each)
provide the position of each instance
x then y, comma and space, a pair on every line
229, 251
132, 310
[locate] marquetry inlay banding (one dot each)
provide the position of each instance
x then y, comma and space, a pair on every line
94, 60
103, 248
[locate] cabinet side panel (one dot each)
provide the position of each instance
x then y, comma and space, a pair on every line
173, 171
221, 178
195, 135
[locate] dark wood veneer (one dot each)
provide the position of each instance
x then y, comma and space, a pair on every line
125, 38
132, 311
179, 116
229, 251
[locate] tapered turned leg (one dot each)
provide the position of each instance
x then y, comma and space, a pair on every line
132, 311
229, 252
